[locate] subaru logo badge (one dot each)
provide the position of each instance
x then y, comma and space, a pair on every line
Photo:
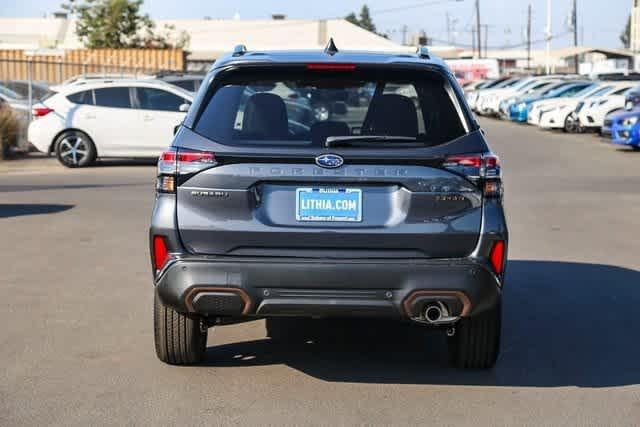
329, 161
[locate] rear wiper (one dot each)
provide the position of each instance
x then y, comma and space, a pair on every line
336, 141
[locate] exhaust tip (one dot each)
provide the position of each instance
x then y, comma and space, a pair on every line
433, 313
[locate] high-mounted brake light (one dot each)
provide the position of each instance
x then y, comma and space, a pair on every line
497, 256
175, 162
41, 112
160, 252
331, 67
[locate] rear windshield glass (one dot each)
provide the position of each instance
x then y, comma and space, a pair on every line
276, 107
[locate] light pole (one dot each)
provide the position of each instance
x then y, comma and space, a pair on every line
548, 38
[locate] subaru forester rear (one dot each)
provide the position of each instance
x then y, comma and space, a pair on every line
329, 184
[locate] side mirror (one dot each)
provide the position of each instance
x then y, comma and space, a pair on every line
183, 108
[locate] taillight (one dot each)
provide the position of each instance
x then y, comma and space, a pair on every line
482, 169
41, 112
177, 162
468, 161
160, 252
497, 257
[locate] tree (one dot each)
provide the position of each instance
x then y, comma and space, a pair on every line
625, 36
364, 21
120, 24
352, 18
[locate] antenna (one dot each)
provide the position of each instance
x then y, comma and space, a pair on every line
239, 50
423, 52
331, 48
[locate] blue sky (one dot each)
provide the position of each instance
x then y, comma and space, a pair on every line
601, 21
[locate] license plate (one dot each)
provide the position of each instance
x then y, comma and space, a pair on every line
329, 204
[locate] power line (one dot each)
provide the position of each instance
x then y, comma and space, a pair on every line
509, 46
412, 6
300, 22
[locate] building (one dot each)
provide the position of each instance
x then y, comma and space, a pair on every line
593, 60
208, 38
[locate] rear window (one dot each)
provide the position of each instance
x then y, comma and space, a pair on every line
276, 107
84, 97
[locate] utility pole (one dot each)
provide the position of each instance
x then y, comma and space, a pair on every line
486, 38
574, 20
448, 28
473, 40
478, 37
548, 38
529, 37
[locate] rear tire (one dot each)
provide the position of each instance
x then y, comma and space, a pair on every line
476, 343
74, 149
179, 338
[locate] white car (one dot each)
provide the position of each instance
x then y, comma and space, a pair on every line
560, 116
489, 101
539, 108
108, 118
591, 114
475, 95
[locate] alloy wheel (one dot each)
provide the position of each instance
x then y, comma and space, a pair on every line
73, 149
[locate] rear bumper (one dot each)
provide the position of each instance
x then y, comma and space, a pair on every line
228, 286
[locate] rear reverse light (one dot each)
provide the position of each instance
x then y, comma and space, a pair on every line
175, 162
41, 112
482, 169
497, 256
160, 252
331, 67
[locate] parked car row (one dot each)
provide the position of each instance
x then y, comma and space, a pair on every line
93, 116
563, 102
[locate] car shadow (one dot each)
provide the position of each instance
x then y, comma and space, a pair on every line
106, 162
564, 324
11, 210
42, 187
627, 150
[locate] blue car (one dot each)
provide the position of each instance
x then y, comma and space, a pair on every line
519, 110
625, 128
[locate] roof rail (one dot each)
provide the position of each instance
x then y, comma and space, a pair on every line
239, 50
331, 48
423, 52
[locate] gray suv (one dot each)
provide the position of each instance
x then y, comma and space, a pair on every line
387, 206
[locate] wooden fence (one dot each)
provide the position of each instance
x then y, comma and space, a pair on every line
18, 65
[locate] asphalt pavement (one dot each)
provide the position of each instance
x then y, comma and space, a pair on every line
76, 341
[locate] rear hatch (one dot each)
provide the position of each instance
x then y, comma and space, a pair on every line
373, 169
